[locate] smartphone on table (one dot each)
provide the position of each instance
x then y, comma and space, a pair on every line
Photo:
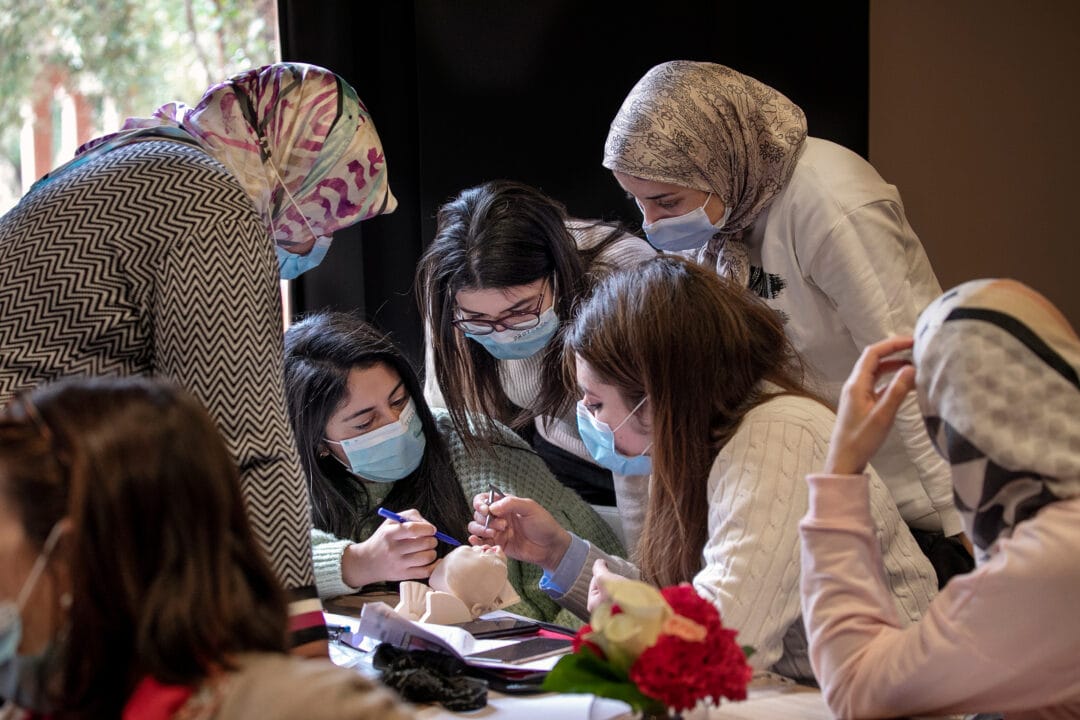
499, 628
525, 651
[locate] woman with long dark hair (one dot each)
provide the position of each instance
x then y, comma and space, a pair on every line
368, 439
132, 583
496, 286
694, 374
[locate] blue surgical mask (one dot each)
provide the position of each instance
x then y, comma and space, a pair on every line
685, 232
389, 453
599, 440
291, 265
518, 344
22, 677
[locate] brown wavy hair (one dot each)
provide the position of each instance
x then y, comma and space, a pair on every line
167, 580
698, 347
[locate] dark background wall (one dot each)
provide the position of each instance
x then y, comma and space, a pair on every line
464, 91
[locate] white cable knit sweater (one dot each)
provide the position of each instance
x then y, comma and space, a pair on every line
751, 560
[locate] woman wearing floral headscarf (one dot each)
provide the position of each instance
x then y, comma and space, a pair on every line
997, 372
152, 253
722, 169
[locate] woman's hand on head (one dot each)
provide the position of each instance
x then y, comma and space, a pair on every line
867, 411
526, 531
395, 551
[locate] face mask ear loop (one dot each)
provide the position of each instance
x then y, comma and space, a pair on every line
39, 564
625, 419
270, 162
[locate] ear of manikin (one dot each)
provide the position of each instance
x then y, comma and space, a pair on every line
507, 596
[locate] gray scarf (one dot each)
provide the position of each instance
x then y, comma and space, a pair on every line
996, 367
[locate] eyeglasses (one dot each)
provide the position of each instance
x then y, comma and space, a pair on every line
517, 320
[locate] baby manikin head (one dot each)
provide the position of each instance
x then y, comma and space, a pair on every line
467, 583
474, 574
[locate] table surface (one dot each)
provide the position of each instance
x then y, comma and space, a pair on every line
764, 702
769, 697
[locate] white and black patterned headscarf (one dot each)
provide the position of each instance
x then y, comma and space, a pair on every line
999, 388
707, 127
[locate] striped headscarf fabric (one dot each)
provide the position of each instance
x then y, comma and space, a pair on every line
999, 389
707, 127
284, 129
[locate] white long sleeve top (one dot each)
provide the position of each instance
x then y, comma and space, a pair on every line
751, 560
845, 268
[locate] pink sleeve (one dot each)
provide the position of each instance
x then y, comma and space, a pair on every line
1001, 638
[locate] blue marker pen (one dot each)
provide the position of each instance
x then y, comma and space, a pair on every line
398, 518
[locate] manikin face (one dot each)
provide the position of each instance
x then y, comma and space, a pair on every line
475, 574
607, 405
375, 397
659, 200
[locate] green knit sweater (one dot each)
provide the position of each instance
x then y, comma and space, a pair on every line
515, 469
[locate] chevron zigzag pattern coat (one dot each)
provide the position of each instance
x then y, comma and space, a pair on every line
151, 260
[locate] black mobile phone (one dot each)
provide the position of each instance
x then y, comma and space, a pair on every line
525, 651
498, 628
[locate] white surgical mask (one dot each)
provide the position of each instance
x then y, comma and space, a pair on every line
684, 232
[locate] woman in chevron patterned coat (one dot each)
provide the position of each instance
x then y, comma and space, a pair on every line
153, 253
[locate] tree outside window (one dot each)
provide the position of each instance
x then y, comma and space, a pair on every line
71, 70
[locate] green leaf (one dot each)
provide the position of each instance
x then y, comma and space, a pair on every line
584, 672
748, 650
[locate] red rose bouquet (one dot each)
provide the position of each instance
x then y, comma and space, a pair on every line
654, 649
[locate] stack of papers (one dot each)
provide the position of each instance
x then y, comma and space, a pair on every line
379, 623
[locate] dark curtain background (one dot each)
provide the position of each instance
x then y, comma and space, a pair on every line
464, 91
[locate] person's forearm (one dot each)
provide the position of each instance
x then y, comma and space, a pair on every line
356, 567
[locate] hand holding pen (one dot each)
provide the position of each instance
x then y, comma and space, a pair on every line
403, 548
383, 512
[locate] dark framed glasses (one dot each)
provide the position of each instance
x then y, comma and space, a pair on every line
517, 320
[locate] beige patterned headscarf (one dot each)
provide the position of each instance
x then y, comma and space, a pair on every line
707, 127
